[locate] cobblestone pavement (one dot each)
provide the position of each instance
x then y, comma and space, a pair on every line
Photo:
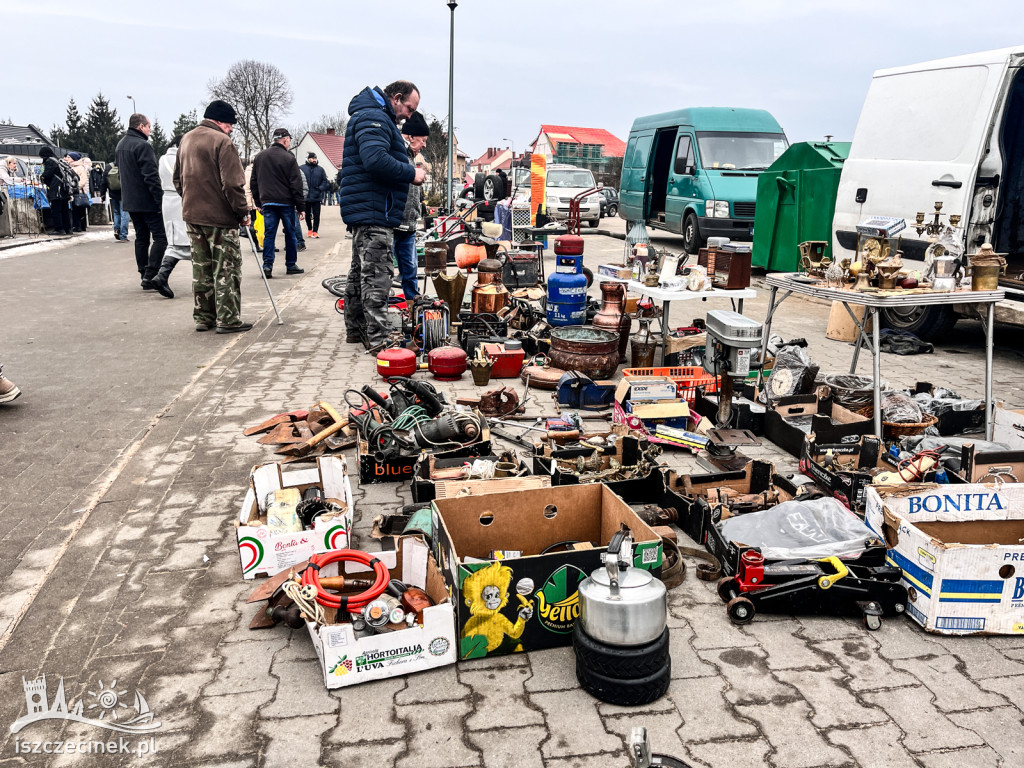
148, 592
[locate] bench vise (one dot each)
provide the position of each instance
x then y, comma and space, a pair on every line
578, 391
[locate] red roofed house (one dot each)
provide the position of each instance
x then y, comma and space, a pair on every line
490, 160
591, 148
328, 147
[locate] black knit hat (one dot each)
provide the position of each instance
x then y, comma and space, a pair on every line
220, 111
415, 125
46, 152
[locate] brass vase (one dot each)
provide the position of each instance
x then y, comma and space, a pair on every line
612, 315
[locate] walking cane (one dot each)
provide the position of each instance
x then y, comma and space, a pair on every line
248, 236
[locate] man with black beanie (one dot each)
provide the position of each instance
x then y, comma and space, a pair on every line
208, 175
415, 132
317, 186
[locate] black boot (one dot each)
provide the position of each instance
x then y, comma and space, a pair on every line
159, 280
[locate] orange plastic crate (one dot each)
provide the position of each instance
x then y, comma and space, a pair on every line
687, 379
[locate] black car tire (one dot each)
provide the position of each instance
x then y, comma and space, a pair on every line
613, 210
493, 188
926, 323
593, 223
478, 186
625, 693
589, 275
620, 662
336, 285
692, 241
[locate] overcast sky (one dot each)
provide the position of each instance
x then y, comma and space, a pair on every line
517, 64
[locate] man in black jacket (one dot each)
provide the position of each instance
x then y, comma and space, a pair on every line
142, 196
316, 180
57, 192
276, 187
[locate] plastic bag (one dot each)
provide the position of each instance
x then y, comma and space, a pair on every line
800, 530
899, 408
792, 374
944, 401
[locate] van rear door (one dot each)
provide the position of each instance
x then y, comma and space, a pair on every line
920, 137
633, 187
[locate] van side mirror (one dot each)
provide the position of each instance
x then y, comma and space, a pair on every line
690, 170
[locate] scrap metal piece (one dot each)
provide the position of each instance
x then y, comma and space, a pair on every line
281, 418
500, 402
733, 436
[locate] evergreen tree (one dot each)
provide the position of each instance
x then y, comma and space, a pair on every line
75, 136
59, 136
159, 139
103, 129
186, 122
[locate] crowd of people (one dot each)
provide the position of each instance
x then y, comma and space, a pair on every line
196, 201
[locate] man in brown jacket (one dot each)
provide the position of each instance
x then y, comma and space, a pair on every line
208, 176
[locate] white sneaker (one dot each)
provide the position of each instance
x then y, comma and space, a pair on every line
8, 390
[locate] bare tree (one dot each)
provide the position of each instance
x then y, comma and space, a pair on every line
435, 155
337, 121
261, 96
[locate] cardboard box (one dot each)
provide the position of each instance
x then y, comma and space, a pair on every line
264, 553
346, 659
851, 472
688, 495
830, 423
538, 592
1008, 428
620, 271
841, 326
626, 452
402, 468
960, 550
990, 466
425, 482
658, 410
650, 388
746, 413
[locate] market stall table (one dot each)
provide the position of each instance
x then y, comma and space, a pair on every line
667, 296
794, 282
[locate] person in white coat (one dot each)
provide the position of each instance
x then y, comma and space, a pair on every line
178, 244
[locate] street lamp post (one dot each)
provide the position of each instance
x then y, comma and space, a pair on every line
512, 146
451, 104
134, 110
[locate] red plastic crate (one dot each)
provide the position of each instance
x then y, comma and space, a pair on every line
687, 379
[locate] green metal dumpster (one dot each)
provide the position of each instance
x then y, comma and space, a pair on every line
796, 199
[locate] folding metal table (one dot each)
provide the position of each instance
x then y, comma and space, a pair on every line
793, 282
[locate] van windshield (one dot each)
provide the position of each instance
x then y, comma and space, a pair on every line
735, 151
578, 177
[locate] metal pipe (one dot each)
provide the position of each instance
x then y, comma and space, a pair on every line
989, 327
876, 349
451, 108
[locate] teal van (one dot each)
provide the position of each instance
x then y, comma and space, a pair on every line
694, 171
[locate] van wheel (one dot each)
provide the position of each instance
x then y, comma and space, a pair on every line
692, 241
926, 323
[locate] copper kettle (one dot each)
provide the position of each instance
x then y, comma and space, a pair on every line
489, 294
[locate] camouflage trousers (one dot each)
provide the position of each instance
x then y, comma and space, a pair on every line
216, 275
369, 283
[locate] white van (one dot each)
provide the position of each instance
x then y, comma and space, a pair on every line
950, 130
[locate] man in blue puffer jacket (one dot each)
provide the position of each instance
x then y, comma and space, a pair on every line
375, 177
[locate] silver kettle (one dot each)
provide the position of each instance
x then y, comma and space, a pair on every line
620, 604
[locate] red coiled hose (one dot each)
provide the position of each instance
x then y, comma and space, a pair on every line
311, 577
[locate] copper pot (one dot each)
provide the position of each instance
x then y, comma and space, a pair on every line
612, 315
591, 351
489, 294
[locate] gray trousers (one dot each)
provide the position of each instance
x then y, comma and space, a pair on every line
369, 283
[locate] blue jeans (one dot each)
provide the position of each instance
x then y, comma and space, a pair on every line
405, 255
119, 217
286, 216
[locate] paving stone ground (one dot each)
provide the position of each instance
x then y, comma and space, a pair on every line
147, 589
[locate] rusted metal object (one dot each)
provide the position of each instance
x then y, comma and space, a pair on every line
435, 256
652, 514
590, 351
499, 402
544, 377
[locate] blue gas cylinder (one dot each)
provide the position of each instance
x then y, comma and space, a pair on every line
567, 292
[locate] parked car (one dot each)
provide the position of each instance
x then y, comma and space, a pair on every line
694, 171
609, 202
564, 182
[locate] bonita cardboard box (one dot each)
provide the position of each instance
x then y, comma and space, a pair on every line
265, 553
961, 553
346, 659
530, 601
